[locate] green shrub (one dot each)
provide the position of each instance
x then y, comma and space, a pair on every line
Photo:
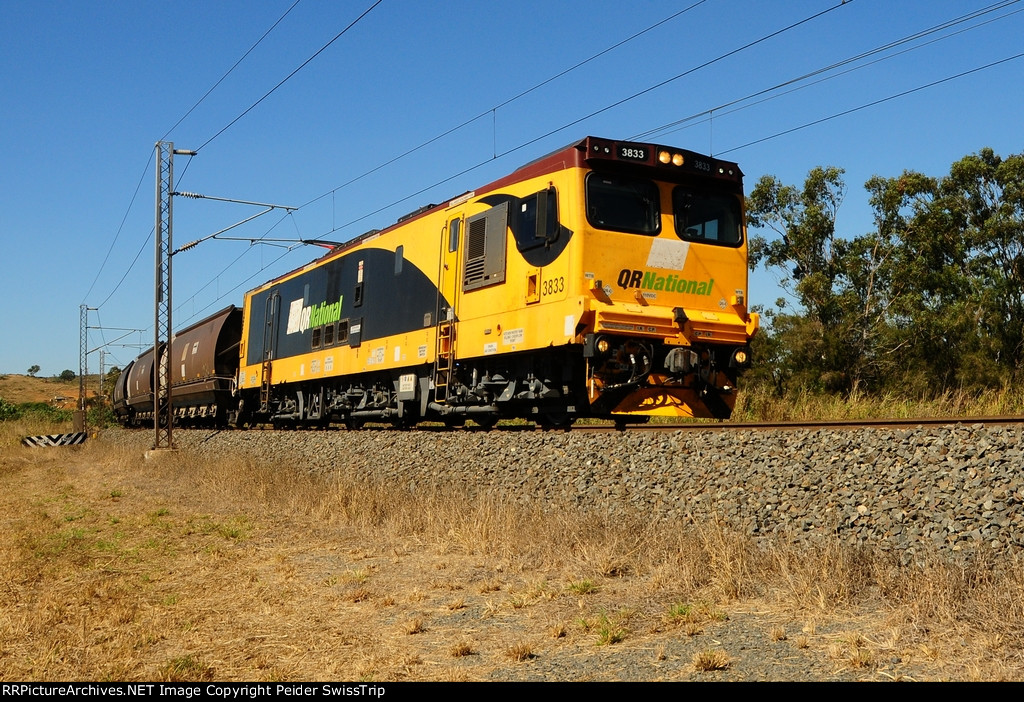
101, 416
44, 411
8, 411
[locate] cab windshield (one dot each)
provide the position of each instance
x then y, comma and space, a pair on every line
712, 218
623, 204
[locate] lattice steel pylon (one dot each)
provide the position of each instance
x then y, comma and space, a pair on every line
163, 412
83, 365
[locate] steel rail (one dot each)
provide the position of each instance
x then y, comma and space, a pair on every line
888, 423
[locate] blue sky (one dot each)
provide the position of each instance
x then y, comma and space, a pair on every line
89, 87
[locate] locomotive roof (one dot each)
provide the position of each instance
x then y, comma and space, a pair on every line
571, 156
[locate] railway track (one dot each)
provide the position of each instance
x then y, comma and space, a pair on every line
808, 424
610, 427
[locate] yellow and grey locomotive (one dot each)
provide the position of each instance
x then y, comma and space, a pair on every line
606, 279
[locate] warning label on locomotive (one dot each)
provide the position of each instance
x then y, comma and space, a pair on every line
649, 280
512, 336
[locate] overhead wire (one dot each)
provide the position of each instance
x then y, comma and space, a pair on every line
142, 248
707, 114
492, 110
645, 91
290, 75
245, 281
683, 74
226, 268
523, 145
667, 128
230, 70
253, 105
594, 113
149, 162
118, 234
875, 102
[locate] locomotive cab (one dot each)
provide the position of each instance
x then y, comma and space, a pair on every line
664, 265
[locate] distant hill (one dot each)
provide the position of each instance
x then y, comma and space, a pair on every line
59, 393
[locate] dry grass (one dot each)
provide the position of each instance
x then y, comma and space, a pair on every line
463, 648
22, 388
519, 652
710, 659
414, 626
186, 568
759, 405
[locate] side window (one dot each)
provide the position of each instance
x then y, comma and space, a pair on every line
537, 223
453, 235
357, 297
484, 260
329, 335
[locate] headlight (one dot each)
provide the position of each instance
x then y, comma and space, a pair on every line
740, 358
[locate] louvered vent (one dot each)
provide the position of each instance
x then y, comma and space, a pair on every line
484, 262
476, 249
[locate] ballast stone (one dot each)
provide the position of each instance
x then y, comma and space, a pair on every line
955, 488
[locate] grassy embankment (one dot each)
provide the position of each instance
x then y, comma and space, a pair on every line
183, 568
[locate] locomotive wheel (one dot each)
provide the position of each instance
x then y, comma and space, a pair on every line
454, 422
353, 424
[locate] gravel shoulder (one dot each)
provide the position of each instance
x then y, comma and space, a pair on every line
958, 489
418, 610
